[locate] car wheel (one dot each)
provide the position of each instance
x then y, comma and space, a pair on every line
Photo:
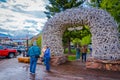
11, 55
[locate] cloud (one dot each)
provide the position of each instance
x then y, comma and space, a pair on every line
29, 5
20, 17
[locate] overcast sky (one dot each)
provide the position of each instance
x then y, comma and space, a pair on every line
21, 18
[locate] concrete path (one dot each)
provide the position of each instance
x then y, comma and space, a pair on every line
11, 69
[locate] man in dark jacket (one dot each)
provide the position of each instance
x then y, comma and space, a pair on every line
33, 52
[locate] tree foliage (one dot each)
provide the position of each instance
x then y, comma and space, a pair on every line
56, 6
96, 3
76, 36
39, 40
112, 6
79, 36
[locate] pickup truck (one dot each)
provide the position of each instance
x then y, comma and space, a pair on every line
6, 52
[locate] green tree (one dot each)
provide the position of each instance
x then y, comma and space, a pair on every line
96, 3
79, 36
56, 6
39, 40
76, 37
112, 6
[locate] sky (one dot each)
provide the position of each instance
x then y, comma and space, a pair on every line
22, 18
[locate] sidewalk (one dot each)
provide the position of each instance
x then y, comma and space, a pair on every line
11, 69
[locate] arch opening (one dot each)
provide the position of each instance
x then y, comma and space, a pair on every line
76, 36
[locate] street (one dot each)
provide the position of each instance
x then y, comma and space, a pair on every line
11, 69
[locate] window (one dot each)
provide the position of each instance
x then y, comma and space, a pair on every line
1, 47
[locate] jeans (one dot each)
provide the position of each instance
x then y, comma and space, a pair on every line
33, 63
84, 57
47, 63
77, 55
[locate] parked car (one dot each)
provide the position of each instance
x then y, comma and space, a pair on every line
21, 49
7, 52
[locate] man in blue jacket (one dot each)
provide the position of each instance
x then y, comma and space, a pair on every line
33, 52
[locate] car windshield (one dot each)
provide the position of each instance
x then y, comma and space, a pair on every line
1, 47
21, 46
9, 47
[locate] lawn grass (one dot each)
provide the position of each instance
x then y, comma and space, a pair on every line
71, 57
73, 51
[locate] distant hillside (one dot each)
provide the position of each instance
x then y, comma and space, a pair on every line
3, 35
36, 37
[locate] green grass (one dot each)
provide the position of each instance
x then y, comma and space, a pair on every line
73, 51
71, 57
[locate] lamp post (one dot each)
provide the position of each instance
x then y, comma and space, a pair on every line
27, 40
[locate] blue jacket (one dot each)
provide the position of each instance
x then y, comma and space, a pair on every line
47, 52
34, 50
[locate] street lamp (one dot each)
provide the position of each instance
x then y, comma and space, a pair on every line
27, 40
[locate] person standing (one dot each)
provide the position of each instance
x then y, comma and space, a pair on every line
33, 52
84, 53
47, 58
77, 52
90, 48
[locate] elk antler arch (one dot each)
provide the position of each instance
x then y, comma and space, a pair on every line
103, 28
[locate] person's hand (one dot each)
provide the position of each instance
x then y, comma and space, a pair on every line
41, 59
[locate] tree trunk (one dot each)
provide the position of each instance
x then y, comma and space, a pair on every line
69, 46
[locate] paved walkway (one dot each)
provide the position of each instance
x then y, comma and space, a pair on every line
11, 69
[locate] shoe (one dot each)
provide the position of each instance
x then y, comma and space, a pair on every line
48, 71
32, 73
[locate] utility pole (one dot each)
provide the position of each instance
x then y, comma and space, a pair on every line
27, 41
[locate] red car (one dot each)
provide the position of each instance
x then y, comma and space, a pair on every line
7, 52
